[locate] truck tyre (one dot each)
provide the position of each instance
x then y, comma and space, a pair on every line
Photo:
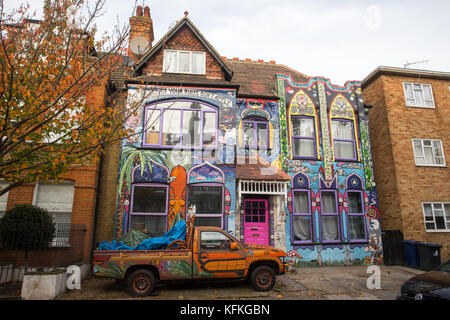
262, 278
142, 282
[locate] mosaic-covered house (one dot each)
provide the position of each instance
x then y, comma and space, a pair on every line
263, 151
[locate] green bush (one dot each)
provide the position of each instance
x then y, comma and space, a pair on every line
26, 227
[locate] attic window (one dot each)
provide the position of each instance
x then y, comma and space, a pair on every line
176, 61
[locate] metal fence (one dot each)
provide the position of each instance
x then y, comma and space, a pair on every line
66, 248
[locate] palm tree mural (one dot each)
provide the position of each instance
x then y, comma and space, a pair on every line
132, 157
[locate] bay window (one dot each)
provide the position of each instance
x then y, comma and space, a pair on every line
180, 123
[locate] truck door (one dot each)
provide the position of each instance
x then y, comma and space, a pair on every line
214, 256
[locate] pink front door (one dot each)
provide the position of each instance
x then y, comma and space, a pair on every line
256, 226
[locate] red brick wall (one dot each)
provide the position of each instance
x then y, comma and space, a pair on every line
85, 178
83, 211
140, 26
415, 184
185, 39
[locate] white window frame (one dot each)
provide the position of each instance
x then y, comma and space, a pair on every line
446, 221
65, 241
423, 151
415, 105
165, 66
5, 198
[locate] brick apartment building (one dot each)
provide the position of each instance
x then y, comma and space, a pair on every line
410, 136
269, 154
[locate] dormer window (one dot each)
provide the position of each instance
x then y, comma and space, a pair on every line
177, 61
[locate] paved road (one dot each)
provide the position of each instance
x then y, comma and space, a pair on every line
326, 283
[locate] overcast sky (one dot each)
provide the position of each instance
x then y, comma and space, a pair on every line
337, 39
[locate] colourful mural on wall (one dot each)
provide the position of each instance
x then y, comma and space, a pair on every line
178, 167
324, 175
266, 128
177, 196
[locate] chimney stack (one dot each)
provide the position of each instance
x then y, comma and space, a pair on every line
141, 33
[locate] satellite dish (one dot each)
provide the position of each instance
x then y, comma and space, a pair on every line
139, 45
127, 61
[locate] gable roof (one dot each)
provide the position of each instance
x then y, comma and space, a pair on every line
185, 22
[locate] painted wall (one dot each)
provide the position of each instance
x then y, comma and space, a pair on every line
178, 168
320, 100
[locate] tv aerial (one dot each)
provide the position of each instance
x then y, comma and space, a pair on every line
407, 64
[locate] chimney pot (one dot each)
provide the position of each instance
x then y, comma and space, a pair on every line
147, 12
139, 11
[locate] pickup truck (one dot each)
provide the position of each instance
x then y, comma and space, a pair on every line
207, 253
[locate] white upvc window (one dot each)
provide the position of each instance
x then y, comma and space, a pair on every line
418, 95
436, 216
177, 61
58, 200
428, 152
3, 199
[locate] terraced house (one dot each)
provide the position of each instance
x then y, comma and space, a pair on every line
269, 154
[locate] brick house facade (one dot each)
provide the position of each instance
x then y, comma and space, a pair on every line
248, 170
411, 146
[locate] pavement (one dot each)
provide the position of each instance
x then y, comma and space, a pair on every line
324, 283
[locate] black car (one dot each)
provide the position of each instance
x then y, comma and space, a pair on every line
433, 285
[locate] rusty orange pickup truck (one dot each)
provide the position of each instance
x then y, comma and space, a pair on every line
207, 253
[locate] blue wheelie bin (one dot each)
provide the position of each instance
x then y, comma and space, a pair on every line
411, 254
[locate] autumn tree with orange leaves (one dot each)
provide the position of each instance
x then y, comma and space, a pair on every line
47, 69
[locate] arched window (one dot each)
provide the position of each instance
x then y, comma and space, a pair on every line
303, 137
206, 191
149, 199
185, 123
303, 127
301, 217
356, 220
343, 129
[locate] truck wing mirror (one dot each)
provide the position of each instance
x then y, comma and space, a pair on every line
234, 246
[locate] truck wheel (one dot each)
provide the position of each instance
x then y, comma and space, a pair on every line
142, 282
262, 278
